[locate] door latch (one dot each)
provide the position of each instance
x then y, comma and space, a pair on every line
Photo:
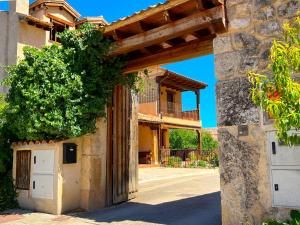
276, 187
33, 185
274, 148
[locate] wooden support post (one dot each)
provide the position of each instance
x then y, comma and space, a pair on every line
198, 102
199, 139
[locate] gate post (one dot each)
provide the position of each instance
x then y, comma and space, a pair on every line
244, 163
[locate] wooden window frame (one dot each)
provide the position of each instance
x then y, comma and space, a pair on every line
20, 184
171, 109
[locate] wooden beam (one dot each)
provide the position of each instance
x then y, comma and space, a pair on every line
144, 14
60, 20
169, 31
178, 86
185, 51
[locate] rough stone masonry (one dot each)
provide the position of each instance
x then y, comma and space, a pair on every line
245, 181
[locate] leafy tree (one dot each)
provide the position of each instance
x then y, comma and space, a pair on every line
58, 91
184, 139
208, 142
279, 92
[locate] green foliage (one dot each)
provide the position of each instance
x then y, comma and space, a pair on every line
59, 91
185, 139
279, 93
174, 161
201, 163
7, 193
295, 220
208, 142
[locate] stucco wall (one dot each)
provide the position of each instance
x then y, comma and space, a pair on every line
24, 196
244, 165
145, 139
163, 99
3, 42
80, 185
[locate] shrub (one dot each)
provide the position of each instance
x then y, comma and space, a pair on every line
278, 93
295, 220
58, 92
174, 161
8, 193
201, 163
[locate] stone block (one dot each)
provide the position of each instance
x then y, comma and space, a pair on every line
267, 13
289, 9
247, 62
226, 64
262, 3
234, 2
222, 44
239, 23
248, 42
234, 106
268, 28
239, 11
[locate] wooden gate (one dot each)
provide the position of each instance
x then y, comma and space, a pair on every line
123, 153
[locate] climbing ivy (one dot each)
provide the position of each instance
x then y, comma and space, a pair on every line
58, 91
279, 92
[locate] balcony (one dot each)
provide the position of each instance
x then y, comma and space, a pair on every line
176, 112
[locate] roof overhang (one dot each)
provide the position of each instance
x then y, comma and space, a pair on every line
179, 82
33, 21
173, 31
56, 3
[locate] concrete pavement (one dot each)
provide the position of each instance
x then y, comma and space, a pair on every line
171, 196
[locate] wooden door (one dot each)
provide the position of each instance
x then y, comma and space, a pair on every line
123, 152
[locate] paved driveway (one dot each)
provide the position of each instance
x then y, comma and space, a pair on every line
167, 196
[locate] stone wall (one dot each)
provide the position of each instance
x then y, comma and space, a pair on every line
245, 181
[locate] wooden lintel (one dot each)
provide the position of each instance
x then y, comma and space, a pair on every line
171, 30
185, 51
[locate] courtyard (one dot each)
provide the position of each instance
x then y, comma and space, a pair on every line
173, 196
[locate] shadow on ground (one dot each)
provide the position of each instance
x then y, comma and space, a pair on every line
199, 210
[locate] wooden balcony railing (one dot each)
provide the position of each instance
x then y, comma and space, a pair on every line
186, 115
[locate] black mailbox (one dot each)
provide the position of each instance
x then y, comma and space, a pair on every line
70, 153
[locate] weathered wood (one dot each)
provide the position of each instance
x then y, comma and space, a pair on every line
185, 51
23, 165
133, 146
144, 14
60, 20
124, 147
171, 30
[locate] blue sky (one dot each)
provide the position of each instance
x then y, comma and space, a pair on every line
201, 69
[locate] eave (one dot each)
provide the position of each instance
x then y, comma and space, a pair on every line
169, 32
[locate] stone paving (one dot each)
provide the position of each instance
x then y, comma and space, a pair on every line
167, 196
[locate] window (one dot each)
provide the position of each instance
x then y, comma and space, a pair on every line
23, 170
57, 28
170, 102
